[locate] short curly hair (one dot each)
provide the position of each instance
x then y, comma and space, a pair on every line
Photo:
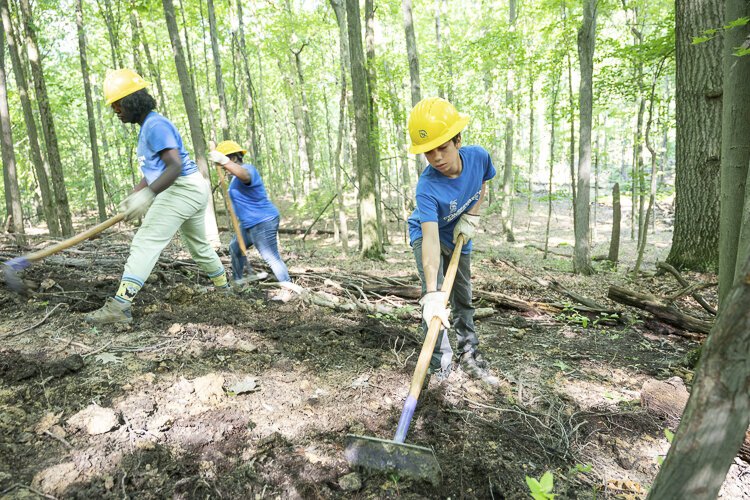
138, 104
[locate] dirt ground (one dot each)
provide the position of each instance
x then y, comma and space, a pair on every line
207, 396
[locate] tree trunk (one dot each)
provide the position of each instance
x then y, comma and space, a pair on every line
307, 132
112, 23
47, 121
191, 108
695, 242
718, 412
508, 188
532, 146
572, 139
555, 86
251, 126
614, 242
372, 91
343, 132
153, 72
40, 166
135, 44
10, 179
735, 152
367, 173
413, 56
95, 162
223, 121
586, 44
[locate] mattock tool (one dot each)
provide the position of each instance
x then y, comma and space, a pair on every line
395, 455
14, 266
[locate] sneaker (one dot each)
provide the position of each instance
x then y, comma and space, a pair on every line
287, 292
473, 367
111, 312
250, 278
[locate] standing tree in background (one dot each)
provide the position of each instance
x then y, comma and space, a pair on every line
372, 86
586, 44
223, 121
508, 188
307, 133
735, 151
48, 122
371, 245
695, 242
413, 56
40, 166
250, 93
191, 108
10, 178
95, 163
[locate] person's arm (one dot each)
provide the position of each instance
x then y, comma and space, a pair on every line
173, 163
238, 171
474, 210
430, 254
141, 185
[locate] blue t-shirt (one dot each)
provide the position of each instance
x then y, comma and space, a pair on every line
250, 201
157, 134
442, 199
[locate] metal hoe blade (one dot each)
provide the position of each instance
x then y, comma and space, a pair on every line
11, 269
389, 456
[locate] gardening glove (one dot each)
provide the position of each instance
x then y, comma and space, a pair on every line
136, 205
466, 225
433, 304
217, 157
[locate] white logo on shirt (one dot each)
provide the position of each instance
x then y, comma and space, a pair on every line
141, 161
453, 205
453, 215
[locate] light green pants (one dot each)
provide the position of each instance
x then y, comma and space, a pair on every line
180, 207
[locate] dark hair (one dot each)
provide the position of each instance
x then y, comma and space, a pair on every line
238, 155
138, 104
456, 138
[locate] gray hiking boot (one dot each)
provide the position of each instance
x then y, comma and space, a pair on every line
474, 365
439, 375
288, 291
111, 312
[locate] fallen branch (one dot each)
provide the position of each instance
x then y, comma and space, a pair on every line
693, 292
666, 313
36, 324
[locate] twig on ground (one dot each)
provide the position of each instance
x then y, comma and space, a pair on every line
97, 351
58, 438
10, 335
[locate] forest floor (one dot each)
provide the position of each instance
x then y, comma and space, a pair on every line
207, 396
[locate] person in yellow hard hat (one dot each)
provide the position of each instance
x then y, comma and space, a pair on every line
257, 215
172, 196
448, 196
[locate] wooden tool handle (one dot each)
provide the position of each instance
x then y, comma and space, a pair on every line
75, 239
420, 372
230, 209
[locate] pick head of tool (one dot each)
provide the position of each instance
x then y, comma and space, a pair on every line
11, 270
407, 460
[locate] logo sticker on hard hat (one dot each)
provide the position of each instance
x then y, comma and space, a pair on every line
422, 134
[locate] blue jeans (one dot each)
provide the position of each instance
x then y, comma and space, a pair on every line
263, 237
462, 311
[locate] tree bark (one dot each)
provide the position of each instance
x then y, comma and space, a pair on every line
718, 412
555, 86
586, 44
371, 245
40, 165
413, 57
10, 178
307, 132
695, 241
95, 162
508, 188
191, 108
614, 242
223, 121
47, 121
251, 126
152, 70
343, 132
372, 92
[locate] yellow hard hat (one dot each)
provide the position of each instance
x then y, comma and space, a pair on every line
432, 122
229, 147
121, 83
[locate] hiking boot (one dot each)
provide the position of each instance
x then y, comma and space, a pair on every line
439, 375
112, 312
473, 367
287, 292
250, 278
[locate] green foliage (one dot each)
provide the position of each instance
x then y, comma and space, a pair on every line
541, 489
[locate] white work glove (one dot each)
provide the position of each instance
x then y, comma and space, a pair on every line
217, 157
136, 205
433, 304
466, 225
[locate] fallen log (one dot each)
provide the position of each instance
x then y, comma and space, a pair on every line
682, 281
664, 312
299, 230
